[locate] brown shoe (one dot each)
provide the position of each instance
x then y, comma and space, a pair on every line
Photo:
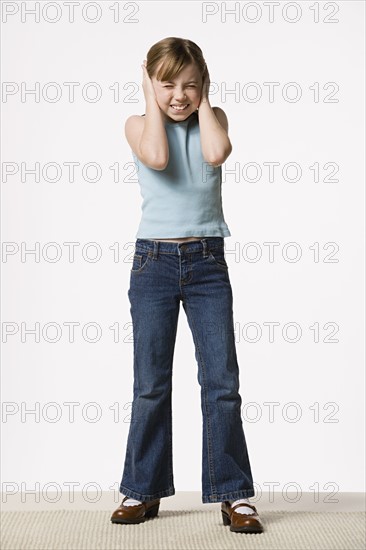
241, 523
137, 513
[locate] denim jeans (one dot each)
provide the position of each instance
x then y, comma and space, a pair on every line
162, 275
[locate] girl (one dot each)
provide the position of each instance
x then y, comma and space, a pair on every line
179, 145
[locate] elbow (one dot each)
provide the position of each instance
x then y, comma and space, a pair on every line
154, 161
161, 164
219, 160
158, 164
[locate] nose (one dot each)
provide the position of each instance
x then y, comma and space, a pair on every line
180, 96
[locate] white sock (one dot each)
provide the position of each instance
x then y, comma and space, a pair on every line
131, 502
242, 509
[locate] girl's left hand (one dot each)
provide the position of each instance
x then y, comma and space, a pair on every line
205, 86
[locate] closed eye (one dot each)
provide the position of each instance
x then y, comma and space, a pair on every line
189, 86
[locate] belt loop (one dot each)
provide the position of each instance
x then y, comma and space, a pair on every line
205, 248
156, 250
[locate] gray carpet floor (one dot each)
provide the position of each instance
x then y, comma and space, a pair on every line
180, 529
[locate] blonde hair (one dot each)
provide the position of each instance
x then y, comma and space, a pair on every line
174, 53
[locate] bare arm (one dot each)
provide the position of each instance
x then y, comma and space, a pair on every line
215, 142
153, 146
146, 135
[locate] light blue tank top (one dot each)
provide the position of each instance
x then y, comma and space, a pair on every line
184, 199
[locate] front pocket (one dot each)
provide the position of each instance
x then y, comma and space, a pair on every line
140, 260
218, 257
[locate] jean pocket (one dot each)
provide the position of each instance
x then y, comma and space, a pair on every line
217, 255
140, 261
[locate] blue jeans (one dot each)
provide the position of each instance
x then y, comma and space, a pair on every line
162, 275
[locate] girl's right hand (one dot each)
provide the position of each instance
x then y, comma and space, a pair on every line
147, 84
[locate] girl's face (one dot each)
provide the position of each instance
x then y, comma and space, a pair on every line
184, 93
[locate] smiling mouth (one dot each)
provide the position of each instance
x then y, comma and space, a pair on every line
179, 108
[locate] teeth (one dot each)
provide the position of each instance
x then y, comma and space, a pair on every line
179, 108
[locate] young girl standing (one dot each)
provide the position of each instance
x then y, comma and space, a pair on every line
179, 145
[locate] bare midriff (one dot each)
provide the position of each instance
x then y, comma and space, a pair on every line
178, 240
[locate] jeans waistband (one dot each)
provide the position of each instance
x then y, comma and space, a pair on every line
163, 247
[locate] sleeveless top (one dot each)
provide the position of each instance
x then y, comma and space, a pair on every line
184, 199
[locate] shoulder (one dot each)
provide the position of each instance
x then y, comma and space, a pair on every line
221, 117
134, 121
134, 126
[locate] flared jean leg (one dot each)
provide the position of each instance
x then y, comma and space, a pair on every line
148, 466
226, 470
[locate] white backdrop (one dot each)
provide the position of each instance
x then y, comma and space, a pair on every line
70, 212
